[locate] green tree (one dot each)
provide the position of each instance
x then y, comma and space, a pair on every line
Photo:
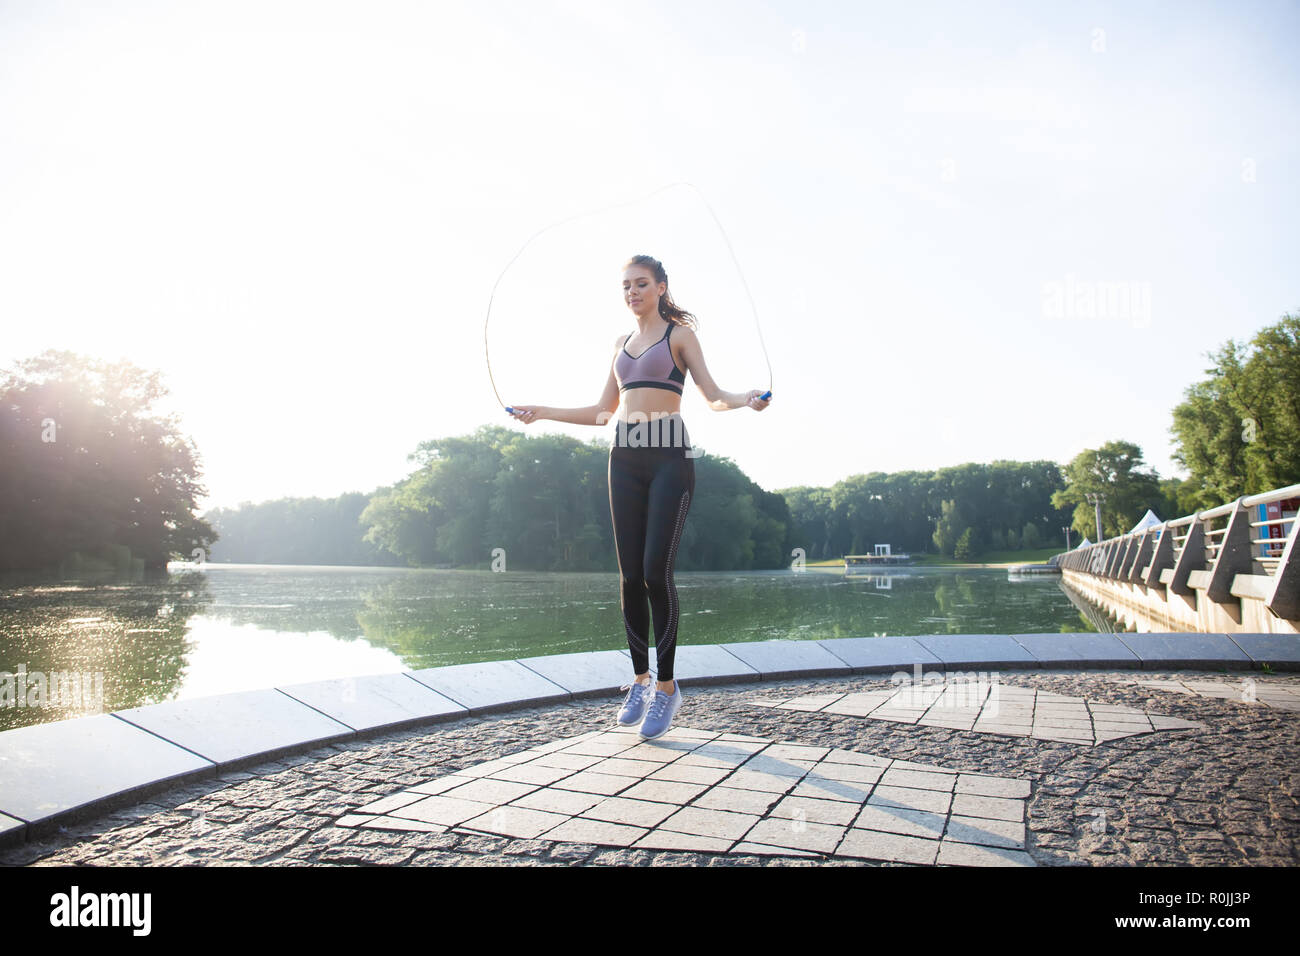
1238, 432
403, 519
438, 515
811, 521
952, 521
970, 488
1114, 470
90, 469
1176, 498
723, 516
963, 550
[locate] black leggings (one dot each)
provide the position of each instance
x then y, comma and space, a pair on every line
651, 481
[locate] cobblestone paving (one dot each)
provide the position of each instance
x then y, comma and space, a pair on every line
1225, 795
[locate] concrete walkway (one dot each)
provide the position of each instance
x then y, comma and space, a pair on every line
1026, 767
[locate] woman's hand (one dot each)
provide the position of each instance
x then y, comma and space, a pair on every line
529, 413
755, 400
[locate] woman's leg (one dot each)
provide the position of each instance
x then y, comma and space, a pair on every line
670, 494
629, 483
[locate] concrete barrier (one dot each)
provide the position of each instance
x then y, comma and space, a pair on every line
1204, 572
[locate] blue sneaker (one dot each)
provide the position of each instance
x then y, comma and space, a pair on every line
662, 709
638, 695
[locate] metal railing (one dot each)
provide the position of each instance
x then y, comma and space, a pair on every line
1242, 549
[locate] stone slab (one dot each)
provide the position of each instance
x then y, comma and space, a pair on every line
385, 804
519, 822
710, 663
586, 673
69, 764
882, 654
876, 845
395, 823
492, 685
1185, 649
229, 727
796, 834
373, 701
785, 658
12, 830
977, 650
1279, 651
629, 811
759, 848
442, 810
581, 830
721, 824
953, 853
668, 840
1096, 650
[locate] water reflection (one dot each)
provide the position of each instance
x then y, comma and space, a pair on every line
129, 639
224, 628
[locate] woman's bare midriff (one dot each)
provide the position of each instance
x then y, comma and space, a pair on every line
641, 404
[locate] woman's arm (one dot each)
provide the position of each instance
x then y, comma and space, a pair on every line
719, 400
587, 415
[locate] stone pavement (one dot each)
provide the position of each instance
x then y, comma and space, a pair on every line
989, 706
699, 790
1163, 775
1248, 690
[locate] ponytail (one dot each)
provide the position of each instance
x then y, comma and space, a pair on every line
668, 309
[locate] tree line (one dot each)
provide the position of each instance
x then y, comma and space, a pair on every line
89, 472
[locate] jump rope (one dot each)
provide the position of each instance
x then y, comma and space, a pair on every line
510, 410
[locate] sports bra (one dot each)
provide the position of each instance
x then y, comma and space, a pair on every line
653, 368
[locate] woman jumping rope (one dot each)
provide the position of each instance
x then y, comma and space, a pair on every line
651, 475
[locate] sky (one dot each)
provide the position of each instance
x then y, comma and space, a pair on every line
961, 232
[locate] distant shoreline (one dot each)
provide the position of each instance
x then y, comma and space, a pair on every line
1038, 556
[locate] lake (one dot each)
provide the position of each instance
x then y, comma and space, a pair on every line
222, 628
